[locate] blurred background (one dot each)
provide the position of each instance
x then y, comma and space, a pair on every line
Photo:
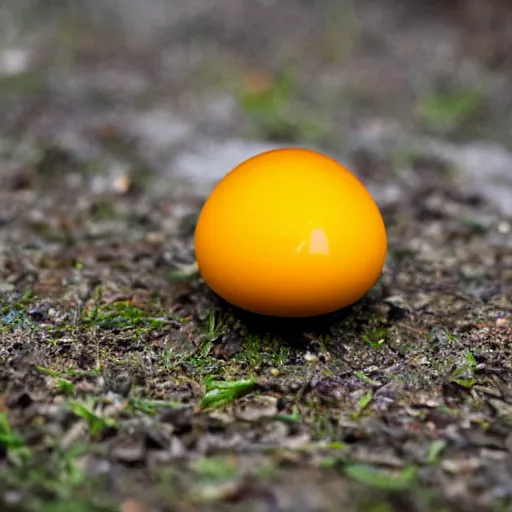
185, 89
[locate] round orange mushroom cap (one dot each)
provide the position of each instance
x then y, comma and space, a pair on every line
290, 233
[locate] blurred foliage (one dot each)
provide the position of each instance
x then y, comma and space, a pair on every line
445, 112
273, 106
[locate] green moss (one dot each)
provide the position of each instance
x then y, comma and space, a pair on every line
87, 410
372, 506
381, 479
21, 85
12, 441
472, 223
329, 462
366, 379
464, 373
103, 209
66, 387
258, 352
57, 483
435, 450
446, 111
219, 393
267, 471
253, 353
294, 417
276, 113
14, 311
215, 469
124, 315
83, 505
375, 339
150, 407
364, 401
70, 372
324, 425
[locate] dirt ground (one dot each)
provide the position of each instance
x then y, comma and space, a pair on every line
126, 385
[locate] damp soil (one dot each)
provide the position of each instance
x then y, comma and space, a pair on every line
125, 384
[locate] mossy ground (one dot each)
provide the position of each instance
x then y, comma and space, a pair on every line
126, 386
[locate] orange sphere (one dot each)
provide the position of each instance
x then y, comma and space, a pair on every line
290, 233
